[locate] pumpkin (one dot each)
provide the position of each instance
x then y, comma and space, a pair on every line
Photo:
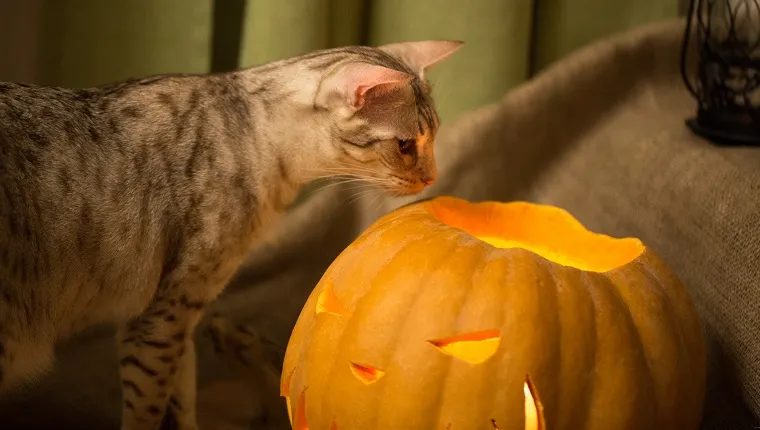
448, 314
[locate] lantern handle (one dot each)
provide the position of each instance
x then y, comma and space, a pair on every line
685, 47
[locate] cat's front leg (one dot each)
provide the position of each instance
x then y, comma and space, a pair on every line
157, 362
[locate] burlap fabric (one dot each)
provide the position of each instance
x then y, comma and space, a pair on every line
601, 134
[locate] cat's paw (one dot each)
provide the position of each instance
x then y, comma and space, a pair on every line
228, 336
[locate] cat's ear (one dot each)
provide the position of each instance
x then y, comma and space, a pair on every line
349, 84
420, 56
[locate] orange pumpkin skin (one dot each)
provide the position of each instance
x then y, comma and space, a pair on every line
615, 346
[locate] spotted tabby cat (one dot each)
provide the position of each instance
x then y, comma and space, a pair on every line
133, 204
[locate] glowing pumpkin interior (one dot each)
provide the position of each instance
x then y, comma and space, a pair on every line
545, 230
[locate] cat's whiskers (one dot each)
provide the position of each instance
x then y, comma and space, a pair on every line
373, 180
360, 186
356, 180
376, 203
351, 171
341, 171
347, 185
350, 178
358, 196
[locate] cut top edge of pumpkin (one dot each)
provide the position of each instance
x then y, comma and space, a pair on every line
548, 231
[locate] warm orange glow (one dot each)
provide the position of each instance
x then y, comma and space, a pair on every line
475, 347
333, 426
544, 251
366, 374
289, 405
534, 410
300, 419
548, 231
285, 392
328, 302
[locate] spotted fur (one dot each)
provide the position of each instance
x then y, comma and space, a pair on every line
133, 204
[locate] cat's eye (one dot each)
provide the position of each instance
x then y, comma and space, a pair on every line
405, 146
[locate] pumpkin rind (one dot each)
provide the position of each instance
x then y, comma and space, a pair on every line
605, 350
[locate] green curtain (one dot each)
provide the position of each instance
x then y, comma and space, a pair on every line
89, 42
494, 58
564, 25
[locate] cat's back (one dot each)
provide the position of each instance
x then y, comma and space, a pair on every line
69, 204
27, 110
37, 126
40, 129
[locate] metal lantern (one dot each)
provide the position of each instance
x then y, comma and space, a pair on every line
727, 84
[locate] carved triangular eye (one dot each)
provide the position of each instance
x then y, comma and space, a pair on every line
474, 347
366, 374
328, 302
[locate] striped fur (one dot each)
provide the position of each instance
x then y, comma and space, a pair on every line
134, 203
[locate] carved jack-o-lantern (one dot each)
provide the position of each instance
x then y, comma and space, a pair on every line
447, 314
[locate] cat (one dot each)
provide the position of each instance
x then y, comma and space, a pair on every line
133, 204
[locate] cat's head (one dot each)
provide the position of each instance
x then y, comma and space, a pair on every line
382, 119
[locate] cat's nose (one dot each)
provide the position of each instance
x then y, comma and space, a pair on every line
429, 176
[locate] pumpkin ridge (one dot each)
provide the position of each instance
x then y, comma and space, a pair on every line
562, 406
546, 283
414, 303
445, 381
670, 314
607, 301
640, 344
336, 367
617, 280
452, 250
361, 242
341, 345
590, 387
493, 366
